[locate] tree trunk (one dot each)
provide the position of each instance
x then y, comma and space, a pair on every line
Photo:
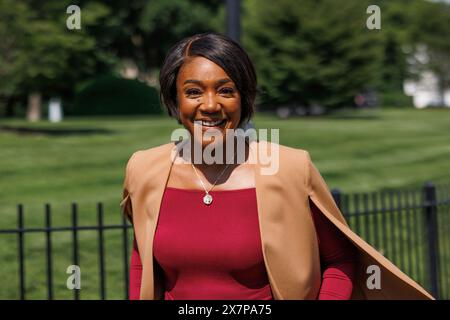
34, 106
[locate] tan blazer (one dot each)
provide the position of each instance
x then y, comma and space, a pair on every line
288, 237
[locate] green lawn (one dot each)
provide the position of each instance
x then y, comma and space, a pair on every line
355, 151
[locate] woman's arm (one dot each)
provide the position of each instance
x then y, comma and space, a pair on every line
135, 273
337, 256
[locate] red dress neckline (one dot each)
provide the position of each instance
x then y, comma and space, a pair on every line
201, 190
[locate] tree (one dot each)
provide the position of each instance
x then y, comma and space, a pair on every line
13, 22
310, 51
395, 31
149, 28
43, 55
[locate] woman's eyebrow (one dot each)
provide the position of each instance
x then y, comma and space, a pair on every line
193, 81
218, 82
223, 81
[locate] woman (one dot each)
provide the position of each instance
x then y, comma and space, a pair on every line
219, 227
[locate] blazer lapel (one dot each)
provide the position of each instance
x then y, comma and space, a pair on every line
263, 184
150, 287
287, 233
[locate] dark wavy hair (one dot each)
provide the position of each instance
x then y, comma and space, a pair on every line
221, 50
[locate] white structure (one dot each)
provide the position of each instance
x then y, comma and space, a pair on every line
55, 113
424, 90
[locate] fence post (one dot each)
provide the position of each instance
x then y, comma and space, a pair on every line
21, 251
430, 208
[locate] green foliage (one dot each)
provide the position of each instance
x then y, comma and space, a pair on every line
321, 51
407, 27
397, 99
109, 95
311, 51
434, 34
50, 58
40, 54
305, 51
169, 21
143, 31
13, 22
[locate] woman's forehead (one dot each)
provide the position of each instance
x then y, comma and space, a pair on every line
200, 68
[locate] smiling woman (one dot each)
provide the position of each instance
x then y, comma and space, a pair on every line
256, 236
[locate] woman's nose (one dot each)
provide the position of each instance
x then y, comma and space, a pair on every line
210, 103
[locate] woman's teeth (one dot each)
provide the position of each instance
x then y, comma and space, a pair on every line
212, 123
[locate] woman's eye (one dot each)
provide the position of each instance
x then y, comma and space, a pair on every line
227, 91
192, 92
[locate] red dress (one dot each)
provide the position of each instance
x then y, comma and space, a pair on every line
214, 252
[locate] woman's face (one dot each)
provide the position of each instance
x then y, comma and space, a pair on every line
207, 97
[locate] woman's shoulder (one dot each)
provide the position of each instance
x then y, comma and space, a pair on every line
148, 160
279, 160
286, 153
151, 153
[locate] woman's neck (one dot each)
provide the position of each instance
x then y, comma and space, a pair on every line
213, 158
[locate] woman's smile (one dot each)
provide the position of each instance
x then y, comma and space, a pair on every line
211, 124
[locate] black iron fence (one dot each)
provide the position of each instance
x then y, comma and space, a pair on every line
100, 228
410, 227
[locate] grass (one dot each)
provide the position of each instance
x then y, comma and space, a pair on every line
83, 161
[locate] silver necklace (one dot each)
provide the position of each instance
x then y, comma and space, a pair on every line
207, 198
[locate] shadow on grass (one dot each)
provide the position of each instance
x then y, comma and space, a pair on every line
53, 131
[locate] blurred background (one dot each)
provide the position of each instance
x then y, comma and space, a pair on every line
364, 86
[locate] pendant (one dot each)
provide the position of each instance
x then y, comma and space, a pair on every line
207, 199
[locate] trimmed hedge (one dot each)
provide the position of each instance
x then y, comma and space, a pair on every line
395, 99
109, 95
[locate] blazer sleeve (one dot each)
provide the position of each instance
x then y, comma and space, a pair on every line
125, 204
394, 283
